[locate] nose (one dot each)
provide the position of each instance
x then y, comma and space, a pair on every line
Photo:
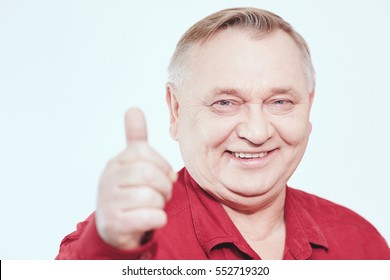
255, 126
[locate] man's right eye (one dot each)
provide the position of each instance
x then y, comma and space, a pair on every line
225, 107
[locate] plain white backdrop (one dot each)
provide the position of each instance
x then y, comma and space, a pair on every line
70, 69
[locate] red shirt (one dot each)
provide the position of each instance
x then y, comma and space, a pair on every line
199, 228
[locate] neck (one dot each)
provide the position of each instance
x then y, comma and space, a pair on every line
263, 227
262, 219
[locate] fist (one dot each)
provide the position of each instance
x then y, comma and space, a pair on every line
133, 189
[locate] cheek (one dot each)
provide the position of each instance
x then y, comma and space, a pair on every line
206, 131
216, 132
293, 131
219, 133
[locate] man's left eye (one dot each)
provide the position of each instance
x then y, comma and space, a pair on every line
224, 102
280, 106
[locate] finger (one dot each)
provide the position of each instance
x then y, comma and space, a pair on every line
144, 173
138, 197
143, 152
143, 219
125, 229
135, 126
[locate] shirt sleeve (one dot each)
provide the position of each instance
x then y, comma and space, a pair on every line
86, 244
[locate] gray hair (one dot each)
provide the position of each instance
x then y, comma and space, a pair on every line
261, 22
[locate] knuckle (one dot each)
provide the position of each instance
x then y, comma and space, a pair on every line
148, 173
152, 198
105, 225
144, 151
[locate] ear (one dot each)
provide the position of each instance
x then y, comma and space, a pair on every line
311, 98
173, 107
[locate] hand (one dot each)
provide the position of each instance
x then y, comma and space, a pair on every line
133, 189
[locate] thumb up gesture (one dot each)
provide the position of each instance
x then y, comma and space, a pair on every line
133, 189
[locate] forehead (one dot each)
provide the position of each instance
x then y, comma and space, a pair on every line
235, 58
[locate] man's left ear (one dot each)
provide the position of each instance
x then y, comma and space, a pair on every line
311, 98
173, 107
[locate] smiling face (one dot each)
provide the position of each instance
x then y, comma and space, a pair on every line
242, 116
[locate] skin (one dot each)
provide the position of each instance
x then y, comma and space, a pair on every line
133, 189
240, 95
245, 96
242, 122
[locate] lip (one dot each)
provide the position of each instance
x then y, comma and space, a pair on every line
247, 155
252, 159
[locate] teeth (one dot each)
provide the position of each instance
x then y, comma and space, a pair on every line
250, 155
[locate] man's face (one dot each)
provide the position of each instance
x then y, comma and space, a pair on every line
242, 116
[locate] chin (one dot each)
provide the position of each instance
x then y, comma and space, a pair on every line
245, 203
248, 189
250, 199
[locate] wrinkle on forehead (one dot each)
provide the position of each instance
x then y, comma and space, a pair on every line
222, 44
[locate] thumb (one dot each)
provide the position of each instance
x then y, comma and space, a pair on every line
135, 125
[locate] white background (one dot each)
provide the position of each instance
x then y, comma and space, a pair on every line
69, 70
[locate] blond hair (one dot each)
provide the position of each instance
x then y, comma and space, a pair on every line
258, 21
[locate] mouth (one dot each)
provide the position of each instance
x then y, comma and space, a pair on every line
246, 159
249, 155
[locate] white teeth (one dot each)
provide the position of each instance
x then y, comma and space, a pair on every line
250, 155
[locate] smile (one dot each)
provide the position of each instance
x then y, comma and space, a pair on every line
249, 155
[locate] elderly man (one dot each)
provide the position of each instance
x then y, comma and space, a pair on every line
240, 89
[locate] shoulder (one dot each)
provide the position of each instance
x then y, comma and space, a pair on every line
324, 209
349, 234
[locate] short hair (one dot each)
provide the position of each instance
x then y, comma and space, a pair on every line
258, 21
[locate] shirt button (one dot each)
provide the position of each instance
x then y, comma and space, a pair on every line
146, 256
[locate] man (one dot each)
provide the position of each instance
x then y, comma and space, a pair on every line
241, 85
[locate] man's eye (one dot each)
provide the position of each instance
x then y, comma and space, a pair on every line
280, 106
225, 107
224, 102
280, 102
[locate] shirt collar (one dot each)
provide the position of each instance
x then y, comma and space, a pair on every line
302, 231
214, 227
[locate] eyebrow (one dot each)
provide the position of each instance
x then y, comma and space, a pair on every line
227, 91
237, 92
283, 90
